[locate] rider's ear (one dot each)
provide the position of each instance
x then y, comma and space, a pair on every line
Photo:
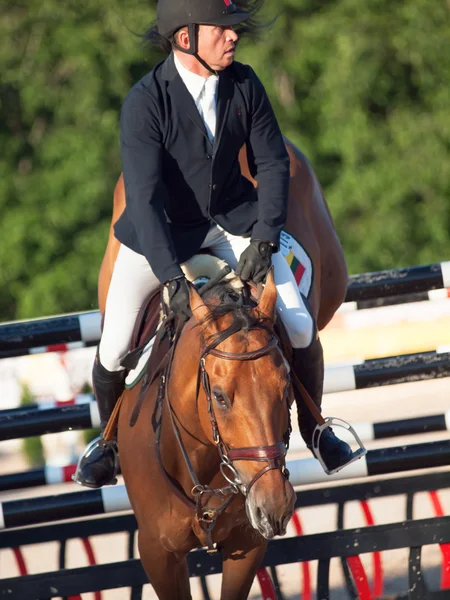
266, 303
199, 309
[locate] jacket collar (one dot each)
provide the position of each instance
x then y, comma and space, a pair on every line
169, 71
184, 102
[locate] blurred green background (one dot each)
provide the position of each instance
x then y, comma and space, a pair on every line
362, 87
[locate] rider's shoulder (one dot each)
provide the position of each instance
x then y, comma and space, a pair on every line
145, 91
245, 75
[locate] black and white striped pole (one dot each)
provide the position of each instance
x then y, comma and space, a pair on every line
47, 404
50, 334
387, 371
79, 330
29, 511
18, 513
366, 432
394, 282
16, 425
431, 296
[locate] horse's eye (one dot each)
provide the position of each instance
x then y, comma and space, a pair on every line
220, 397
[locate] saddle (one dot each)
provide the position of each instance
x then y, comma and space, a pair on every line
199, 270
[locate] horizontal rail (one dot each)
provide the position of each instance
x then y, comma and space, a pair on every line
49, 334
375, 488
392, 370
431, 296
321, 547
50, 474
28, 421
47, 404
22, 424
83, 329
393, 282
18, 513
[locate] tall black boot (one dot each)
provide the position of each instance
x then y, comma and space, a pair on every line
98, 465
309, 367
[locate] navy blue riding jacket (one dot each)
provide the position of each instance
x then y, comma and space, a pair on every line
177, 184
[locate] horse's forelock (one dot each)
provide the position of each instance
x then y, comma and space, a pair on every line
222, 300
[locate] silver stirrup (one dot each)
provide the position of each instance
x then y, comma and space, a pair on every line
330, 422
96, 443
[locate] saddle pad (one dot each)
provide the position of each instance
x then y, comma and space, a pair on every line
299, 261
135, 375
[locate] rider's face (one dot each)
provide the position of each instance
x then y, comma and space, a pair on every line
216, 45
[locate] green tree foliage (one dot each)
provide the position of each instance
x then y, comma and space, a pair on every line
32, 447
361, 87
65, 68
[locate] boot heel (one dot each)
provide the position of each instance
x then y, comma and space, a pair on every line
98, 465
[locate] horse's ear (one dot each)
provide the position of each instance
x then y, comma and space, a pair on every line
266, 303
198, 307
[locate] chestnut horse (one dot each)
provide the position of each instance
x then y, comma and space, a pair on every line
234, 427
239, 413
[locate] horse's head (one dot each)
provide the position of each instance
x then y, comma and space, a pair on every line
245, 398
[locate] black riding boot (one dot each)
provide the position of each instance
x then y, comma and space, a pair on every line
308, 364
99, 464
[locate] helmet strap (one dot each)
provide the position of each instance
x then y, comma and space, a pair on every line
193, 49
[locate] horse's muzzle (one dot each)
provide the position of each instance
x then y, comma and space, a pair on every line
270, 505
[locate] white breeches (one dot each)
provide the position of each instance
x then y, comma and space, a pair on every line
133, 279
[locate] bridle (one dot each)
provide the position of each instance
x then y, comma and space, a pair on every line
273, 455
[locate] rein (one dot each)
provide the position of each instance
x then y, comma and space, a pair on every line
274, 455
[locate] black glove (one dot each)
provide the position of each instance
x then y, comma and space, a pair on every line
255, 261
179, 297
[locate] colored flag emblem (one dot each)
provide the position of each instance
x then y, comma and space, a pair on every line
296, 267
228, 2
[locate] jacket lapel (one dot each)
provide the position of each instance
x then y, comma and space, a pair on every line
224, 96
180, 96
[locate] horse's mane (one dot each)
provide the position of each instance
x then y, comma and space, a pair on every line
231, 303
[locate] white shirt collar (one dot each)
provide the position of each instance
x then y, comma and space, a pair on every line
192, 81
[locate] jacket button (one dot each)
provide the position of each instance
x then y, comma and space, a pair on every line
208, 156
214, 186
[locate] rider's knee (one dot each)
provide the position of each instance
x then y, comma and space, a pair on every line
302, 333
109, 357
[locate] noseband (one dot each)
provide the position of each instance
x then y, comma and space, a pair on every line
274, 455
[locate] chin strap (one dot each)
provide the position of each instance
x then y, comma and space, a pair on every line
192, 50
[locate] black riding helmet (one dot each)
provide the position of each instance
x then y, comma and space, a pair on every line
171, 15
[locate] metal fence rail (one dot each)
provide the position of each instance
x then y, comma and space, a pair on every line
322, 547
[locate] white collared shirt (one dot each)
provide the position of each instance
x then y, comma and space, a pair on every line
195, 85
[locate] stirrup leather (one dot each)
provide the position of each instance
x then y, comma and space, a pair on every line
97, 443
331, 422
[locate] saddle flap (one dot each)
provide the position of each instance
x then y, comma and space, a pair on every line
147, 320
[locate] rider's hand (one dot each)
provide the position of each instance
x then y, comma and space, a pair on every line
178, 291
255, 261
